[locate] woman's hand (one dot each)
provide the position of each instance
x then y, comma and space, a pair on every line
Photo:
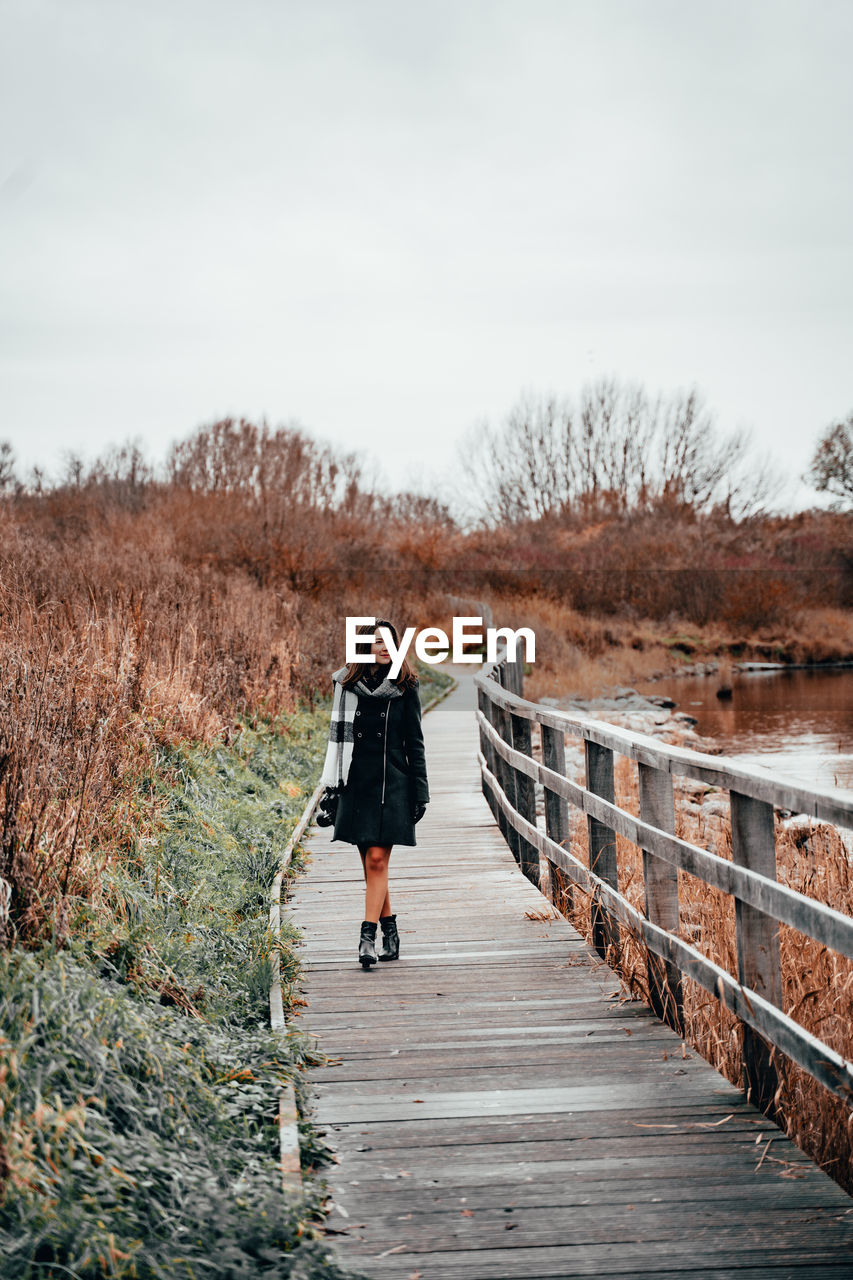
418, 811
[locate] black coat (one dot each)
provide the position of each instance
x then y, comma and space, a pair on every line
395, 753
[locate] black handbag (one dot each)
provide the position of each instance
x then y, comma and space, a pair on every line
327, 809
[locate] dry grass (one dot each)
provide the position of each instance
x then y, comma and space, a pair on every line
103, 655
817, 983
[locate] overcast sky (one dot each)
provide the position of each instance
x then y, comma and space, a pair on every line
387, 220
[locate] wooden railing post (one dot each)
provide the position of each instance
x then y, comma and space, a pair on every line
525, 798
556, 807
506, 774
758, 959
518, 674
496, 764
602, 849
660, 879
508, 672
486, 748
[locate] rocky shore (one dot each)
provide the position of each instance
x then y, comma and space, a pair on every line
651, 714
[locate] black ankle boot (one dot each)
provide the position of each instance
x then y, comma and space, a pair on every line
390, 938
367, 944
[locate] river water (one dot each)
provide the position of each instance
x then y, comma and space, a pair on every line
798, 723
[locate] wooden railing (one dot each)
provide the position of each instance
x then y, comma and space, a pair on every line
509, 775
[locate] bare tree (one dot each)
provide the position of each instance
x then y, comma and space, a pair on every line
420, 509
73, 470
8, 479
522, 470
285, 464
123, 474
699, 467
613, 449
831, 469
621, 450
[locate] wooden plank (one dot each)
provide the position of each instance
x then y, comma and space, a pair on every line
645, 1225
630, 1261
545, 1265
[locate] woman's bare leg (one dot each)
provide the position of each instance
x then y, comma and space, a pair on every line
376, 898
385, 909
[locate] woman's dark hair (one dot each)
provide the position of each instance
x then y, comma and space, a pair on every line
355, 670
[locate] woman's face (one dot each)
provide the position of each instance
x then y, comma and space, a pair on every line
379, 649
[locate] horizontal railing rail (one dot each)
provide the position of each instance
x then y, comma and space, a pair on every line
510, 774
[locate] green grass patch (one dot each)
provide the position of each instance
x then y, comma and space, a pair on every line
139, 1078
434, 682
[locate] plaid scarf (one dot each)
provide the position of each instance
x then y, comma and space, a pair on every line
341, 737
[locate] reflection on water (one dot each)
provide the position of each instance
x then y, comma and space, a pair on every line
798, 723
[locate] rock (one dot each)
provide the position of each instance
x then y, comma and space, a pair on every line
599, 707
637, 724
658, 700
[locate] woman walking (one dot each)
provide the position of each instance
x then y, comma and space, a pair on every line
375, 776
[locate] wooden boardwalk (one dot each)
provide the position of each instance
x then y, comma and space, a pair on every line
499, 1111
